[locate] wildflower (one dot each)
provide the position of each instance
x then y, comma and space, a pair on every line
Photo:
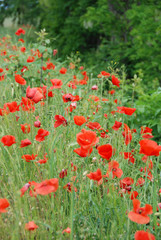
79, 120
87, 139
8, 140
31, 226
115, 81
3, 205
105, 151
25, 143
41, 134
142, 235
20, 79
149, 147
60, 120
140, 214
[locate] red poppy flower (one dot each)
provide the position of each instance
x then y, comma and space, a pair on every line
20, 79
35, 94
46, 187
140, 214
96, 176
8, 140
28, 157
83, 152
87, 139
134, 195
57, 83
2, 77
3, 205
23, 49
13, 107
67, 230
30, 59
94, 98
79, 120
25, 143
149, 147
111, 92
115, 81
1, 70
113, 167
20, 31
44, 160
37, 124
24, 189
105, 74
25, 128
126, 183
126, 110
117, 125
50, 65
94, 125
142, 235
105, 151
127, 134
140, 182
59, 121
27, 104
41, 134
67, 97
31, 226
63, 70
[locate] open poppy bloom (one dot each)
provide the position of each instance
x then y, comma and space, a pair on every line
149, 147
20, 79
117, 125
13, 107
35, 94
67, 230
31, 226
79, 120
3, 205
60, 120
46, 186
87, 139
142, 235
25, 128
105, 74
105, 151
96, 176
113, 167
83, 152
57, 83
44, 160
115, 81
140, 214
28, 157
25, 143
126, 110
63, 70
126, 183
8, 140
20, 31
41, 134
94, 125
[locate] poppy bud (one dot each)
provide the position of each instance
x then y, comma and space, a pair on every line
37, 124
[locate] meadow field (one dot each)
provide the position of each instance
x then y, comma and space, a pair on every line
73, 164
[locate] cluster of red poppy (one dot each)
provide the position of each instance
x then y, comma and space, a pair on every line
97, 144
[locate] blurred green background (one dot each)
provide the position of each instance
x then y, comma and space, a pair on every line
127, 32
